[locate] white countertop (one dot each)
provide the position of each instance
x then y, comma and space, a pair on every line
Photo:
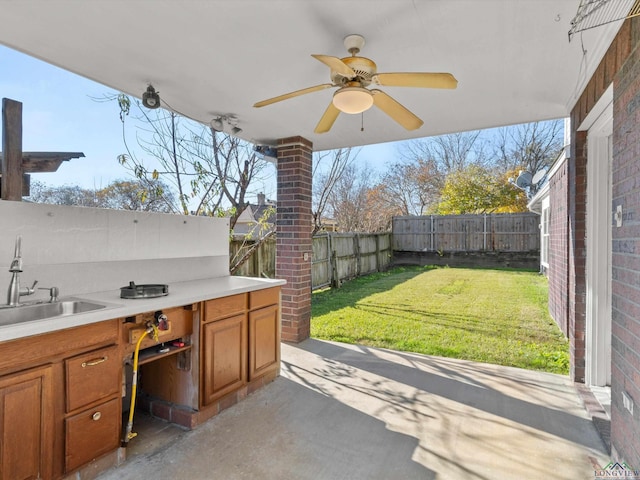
180, 293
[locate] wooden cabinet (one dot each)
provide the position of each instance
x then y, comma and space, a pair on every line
91, 433
26, 425
264, 332
240, 341
92, 423
264, 341
223, 355
91, 377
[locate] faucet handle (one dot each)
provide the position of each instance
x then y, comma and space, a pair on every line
32, 289
53, 293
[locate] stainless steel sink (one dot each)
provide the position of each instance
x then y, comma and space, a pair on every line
42, 311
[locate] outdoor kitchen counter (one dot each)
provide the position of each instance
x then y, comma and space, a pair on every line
180, 293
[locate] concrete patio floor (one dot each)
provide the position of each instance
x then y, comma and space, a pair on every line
347, 412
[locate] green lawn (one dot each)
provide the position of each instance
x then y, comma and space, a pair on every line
485, 315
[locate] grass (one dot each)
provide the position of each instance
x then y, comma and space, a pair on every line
485, 315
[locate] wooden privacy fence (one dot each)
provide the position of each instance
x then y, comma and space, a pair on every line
341, 256
336, 257
503, 232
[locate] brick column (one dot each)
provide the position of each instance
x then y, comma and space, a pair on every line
294, 242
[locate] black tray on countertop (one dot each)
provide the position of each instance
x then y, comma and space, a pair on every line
149, 290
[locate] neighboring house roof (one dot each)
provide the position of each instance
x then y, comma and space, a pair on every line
253, 214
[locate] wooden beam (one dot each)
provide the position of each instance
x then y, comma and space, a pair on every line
11, 187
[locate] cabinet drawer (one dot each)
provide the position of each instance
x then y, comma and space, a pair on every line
262, 298
92, 433
92, 376
225, 307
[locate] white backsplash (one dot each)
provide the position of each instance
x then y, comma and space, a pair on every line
82, 250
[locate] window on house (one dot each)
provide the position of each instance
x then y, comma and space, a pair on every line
544, 234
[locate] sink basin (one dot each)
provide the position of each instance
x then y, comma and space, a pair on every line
42, 311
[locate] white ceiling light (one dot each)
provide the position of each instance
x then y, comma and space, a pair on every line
353, 99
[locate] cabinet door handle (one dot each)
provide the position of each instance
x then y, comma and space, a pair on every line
96, 416
94, 362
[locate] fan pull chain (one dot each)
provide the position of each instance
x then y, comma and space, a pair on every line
362, 122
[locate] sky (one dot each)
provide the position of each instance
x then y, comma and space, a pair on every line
60, 112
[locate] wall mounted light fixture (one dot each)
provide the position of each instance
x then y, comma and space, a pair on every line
150, 98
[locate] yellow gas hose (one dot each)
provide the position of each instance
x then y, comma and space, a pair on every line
134, 384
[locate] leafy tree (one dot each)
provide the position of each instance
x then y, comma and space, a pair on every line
152, 196
379, 210
477, 190
64, 195
118, 195
412, 188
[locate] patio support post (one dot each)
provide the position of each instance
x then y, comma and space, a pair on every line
293, 232
11, 187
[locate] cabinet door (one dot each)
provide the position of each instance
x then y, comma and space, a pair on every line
264, 341
224, 357
26, 425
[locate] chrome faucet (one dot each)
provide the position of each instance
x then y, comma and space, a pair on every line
15, 292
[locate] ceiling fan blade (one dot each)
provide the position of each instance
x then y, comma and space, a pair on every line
395, 110
423, 80
327, 119
292, 94
337, 65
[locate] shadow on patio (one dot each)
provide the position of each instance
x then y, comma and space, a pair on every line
348, 412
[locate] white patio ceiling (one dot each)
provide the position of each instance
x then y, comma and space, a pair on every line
512, 58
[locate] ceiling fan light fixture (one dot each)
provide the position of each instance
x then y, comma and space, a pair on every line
150, 98
353, 99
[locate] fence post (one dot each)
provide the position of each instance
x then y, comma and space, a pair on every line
335, 279
431, 233
484, 235
356, 252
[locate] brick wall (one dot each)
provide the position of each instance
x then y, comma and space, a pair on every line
610, 68
558, 241
625, 427
293, 240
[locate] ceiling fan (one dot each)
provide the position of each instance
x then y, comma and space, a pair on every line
352, 75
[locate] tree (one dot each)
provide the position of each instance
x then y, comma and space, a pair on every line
530, 146
477, 190
118, 195
379, 210
416, 182
448, 153
325, 178
347, 201
210, 171
412, 188
64, 195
